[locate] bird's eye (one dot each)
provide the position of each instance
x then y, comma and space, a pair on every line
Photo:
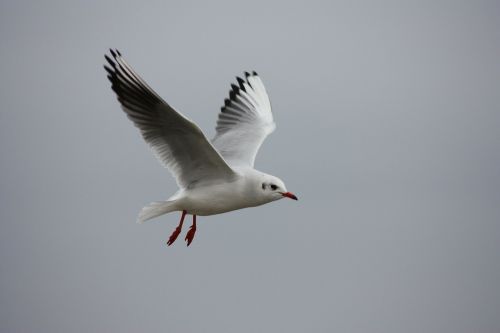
263, 186
274, 187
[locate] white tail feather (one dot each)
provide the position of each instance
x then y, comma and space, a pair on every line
155, 209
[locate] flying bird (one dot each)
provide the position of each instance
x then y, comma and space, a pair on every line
215, 176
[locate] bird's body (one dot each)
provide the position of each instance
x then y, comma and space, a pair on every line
221, 197
213, 177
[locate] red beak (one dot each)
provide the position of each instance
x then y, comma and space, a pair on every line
289, 195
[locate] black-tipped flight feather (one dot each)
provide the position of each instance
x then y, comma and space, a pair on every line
176, 141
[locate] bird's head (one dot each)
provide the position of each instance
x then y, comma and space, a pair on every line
273, 188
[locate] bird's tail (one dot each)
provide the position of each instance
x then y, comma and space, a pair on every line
156, 209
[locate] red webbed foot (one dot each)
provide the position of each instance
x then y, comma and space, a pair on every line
177, 230
190, 234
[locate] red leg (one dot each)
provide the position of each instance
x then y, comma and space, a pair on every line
177, 230
190, 234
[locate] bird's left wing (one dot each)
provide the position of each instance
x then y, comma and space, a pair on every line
177, 142
244, 122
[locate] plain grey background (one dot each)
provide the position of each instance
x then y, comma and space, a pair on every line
388, 116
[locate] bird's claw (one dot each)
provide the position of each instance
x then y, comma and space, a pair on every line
190, 235
174, 236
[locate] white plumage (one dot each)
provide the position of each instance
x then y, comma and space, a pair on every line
213, 177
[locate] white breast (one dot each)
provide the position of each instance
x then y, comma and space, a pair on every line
220, 198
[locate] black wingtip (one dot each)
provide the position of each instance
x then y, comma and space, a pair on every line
236, 89
112, 53
255, 73
118, 52
241, 83
109, 70
110, 61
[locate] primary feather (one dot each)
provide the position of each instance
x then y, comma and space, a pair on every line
177, 142
245, 117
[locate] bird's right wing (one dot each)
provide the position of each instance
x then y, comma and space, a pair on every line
244, 122
177, 142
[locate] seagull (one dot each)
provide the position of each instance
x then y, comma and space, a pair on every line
215, 176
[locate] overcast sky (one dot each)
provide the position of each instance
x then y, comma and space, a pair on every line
388, 116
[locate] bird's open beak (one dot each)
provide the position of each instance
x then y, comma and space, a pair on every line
289, 195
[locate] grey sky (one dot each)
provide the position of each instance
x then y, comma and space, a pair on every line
388, 118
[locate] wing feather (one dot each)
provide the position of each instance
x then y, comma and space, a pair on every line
177, 142
244, 122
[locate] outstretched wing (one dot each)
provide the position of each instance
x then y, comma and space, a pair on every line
177, 142
244, 122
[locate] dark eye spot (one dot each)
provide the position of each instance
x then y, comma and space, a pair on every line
274, 187
263, 186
